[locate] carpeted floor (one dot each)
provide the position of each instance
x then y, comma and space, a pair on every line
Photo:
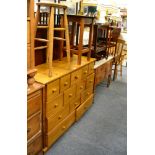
103, 128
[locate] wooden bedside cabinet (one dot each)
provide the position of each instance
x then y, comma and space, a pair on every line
34, 119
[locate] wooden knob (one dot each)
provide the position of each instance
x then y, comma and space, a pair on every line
66, 83
60, 117
85, 72
85, 107
70, 95
75, 103
28, 130
54, 90
76, 77
81, 87
63, 127
55, 105
91, 81
88, 93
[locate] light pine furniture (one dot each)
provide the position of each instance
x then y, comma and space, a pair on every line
50, 31
35, 100
68, 95
118, 58
103, 71
30, 43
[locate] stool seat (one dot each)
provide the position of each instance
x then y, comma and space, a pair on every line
52, 5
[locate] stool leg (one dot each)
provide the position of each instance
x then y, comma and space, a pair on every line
50, 43
36, 20
61, 42
80, 46
67, 35
90, 41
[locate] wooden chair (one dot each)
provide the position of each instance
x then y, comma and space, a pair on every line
115, 32
118, 58
50, 31
101, 41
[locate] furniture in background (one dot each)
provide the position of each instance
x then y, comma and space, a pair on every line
68, 95
118, 58
78, 23
35, 101
105, 40
50, 32
103, 71
31, 71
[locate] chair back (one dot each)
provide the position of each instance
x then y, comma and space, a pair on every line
119, 49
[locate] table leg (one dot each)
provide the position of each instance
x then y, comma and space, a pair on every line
90, 40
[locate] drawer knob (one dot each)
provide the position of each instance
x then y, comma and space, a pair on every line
54, 90
63, 127
60, 117
75, 103
81, 87
76, 77
66, 83
70, 95
85, 72
85, 108
28, 130
91, 81
55, 105
88, 93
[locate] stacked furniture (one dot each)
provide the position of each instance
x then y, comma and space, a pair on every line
35, 91
68, 94
34, 119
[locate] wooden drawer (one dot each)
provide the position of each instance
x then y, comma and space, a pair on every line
28, 31
64, 83
54, 121
52, 136
75, 76
33, 125
90, 81
83, 107
52, 89
34, 103
35, 146
28, 56
91, 68
81, 85
75, 103
84, 72
69, 94
55, 105
86, 93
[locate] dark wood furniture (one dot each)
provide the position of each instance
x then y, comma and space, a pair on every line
35, 100
103, 71
105, 40
78, 23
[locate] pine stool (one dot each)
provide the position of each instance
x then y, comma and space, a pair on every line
50, 31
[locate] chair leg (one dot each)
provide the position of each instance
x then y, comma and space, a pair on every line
115, 72
67, 35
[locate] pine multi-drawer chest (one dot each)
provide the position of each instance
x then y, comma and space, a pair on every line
68, 94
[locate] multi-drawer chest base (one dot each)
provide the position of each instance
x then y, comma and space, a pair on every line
68, 95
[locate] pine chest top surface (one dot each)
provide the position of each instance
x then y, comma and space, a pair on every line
59, 69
